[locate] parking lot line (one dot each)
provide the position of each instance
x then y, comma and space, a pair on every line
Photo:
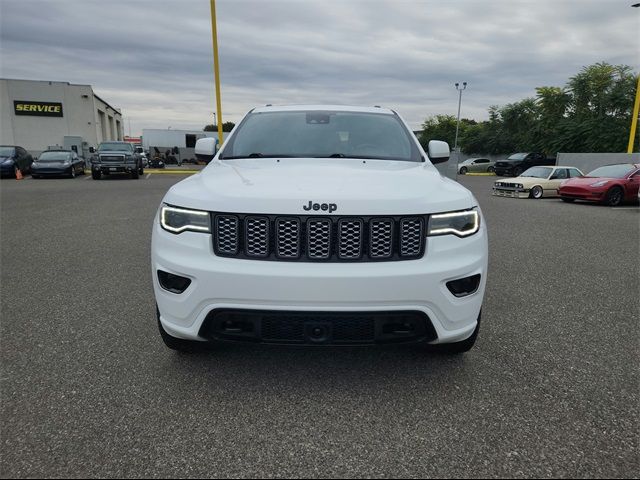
148, 175
87, 177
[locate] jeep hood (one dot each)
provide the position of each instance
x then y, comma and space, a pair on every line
357, 187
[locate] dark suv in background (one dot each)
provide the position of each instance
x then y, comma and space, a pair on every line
517, 163
116, 157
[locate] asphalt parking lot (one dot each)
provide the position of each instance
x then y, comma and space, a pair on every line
88, 388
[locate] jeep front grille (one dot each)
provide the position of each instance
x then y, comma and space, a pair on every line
319, 239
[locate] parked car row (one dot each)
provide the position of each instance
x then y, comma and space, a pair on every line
610, 185
514, 165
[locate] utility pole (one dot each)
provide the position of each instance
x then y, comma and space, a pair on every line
216, 68
636, 110
464, 86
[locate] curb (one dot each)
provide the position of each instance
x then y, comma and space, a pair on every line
162, 171
478, 175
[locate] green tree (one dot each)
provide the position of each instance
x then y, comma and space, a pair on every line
442, 127
226, 127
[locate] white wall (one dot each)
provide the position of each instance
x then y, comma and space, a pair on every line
590, 161
152, 137
36, 133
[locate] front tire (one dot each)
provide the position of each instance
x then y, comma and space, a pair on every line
614, 197
134, 174
491, 170
536, 192
96, 174
463, 171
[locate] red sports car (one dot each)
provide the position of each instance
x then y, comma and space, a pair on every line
611, 185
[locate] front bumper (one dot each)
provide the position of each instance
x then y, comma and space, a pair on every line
51, 171
510, 192
114, 167
7, 169
578, 193
236, 284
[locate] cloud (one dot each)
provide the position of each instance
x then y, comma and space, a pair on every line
153, 58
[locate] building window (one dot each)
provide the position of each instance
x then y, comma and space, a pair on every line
190, 140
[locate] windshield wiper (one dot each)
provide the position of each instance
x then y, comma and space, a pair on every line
255, 155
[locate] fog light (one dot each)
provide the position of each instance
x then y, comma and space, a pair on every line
464, 286
173, 283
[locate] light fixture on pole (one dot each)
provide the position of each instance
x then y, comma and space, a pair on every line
464, 86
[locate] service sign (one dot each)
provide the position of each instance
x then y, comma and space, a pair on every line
39, 109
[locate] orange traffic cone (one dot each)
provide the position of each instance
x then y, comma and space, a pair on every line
19, 174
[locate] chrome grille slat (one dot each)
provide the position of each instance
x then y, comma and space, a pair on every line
319, 239
288, 238
350, 238
226, 234
381, 238
411, 232
257, 236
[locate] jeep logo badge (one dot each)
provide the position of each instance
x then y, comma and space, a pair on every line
331, 207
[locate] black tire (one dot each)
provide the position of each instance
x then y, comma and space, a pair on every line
491, 170
568, 200
178, 344
457, 348
463, 171
134, 174
96, 174
536, 192
615, 197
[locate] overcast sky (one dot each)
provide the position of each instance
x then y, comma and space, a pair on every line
153, 59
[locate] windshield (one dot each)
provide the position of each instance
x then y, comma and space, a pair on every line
6, 151
54, 156
517, 156
537, 172
322, 134
612, 171
115, 147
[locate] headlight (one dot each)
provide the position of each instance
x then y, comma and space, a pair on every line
461, 224
600, 183
178, 220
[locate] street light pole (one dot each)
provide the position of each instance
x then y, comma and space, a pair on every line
636, 110
216, 67
464, 86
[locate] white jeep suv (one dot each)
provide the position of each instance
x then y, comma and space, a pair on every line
320, 225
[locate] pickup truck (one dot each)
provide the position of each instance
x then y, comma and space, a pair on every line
116, 157
517, 163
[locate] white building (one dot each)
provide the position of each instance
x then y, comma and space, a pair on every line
37, 115
167, 139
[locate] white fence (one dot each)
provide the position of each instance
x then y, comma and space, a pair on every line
589, 161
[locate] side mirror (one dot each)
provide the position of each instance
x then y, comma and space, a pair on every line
438, 151
205, 149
